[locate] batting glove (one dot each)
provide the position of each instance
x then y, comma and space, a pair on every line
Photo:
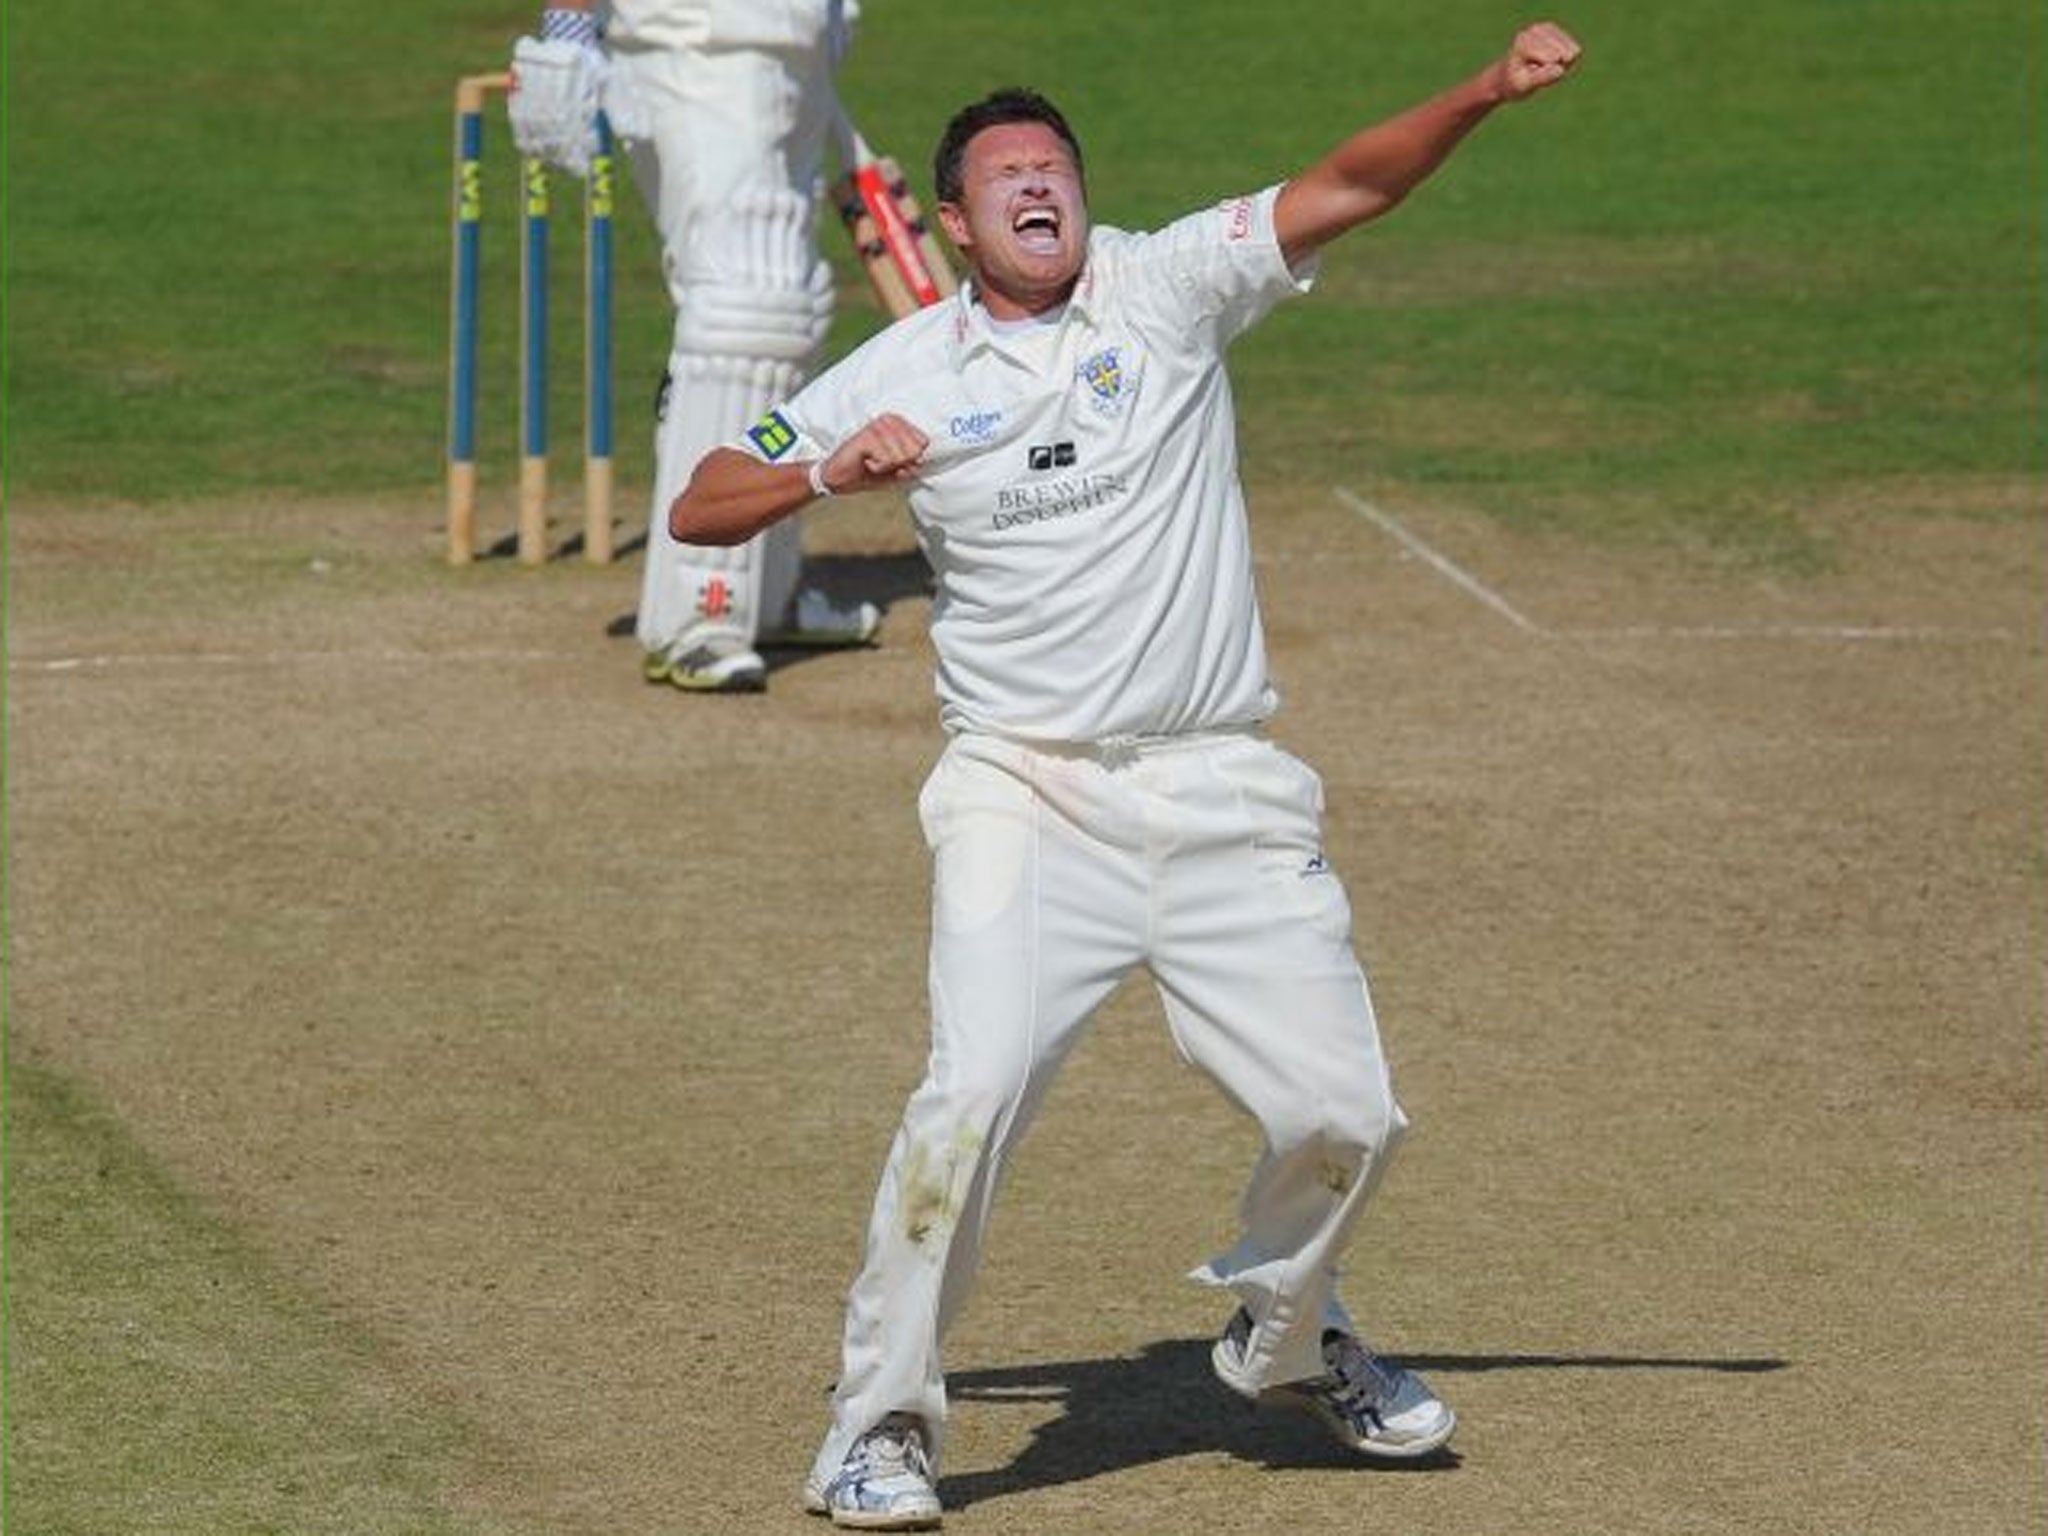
557, 87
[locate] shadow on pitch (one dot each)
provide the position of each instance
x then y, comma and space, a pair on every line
1163, 1402
881, 579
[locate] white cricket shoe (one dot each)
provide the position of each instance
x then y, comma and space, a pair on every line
1372, 1405
885, 1483
818, 621
713, 662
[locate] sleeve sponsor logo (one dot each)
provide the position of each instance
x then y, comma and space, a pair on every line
1237, 219
772, 435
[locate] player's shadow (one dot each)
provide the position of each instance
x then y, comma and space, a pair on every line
1164, 1402
882, 579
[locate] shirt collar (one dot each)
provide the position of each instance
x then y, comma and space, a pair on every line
973, 334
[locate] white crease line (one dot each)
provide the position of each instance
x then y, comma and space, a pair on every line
1388, 524
1471, 585
1789, 632
266, 659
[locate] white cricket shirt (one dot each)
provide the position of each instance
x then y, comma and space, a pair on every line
1080, 503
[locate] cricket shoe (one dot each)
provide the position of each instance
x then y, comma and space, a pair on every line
708, 663
1372, 1405
885, 1483
817, 621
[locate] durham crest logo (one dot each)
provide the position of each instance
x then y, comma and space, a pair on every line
1111, 385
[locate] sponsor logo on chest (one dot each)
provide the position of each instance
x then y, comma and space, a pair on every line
974, 427
1044, 497
1046, 501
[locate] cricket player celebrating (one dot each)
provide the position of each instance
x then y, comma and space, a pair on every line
1107, 798
723, 107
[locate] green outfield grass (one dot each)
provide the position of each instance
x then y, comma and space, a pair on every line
161, 1378
1745, 262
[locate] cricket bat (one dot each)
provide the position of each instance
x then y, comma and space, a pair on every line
901, 255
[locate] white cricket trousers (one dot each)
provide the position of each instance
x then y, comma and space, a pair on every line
1055, 873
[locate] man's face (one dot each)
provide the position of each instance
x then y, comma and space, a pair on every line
1022, 218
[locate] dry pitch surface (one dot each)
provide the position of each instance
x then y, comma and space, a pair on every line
552, 1027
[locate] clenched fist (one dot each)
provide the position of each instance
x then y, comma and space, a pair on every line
1541, 56
887, 451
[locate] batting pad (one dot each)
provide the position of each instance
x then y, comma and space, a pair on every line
757, 300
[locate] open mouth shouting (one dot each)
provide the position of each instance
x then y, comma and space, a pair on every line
1037, 228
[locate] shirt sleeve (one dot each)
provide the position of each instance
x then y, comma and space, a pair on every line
1226, 262
810, 423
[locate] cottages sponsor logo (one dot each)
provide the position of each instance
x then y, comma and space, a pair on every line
975, 427
1048, 501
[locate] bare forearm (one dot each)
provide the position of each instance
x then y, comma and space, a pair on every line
732, 497
1373, 170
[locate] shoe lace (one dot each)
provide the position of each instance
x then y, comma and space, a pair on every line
894, 1446
1361, 1382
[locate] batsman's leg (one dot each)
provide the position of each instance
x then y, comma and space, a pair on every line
726, 163
755, 304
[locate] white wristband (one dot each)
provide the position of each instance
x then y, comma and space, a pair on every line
818, 485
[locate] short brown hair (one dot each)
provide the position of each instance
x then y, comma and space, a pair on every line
1012, 104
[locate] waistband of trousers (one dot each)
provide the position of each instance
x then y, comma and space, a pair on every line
1129, 747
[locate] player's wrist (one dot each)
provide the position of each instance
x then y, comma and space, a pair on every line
816, 475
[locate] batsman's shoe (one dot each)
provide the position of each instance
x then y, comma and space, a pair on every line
1372, 1405
819, 622
885, 1483
710, 663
